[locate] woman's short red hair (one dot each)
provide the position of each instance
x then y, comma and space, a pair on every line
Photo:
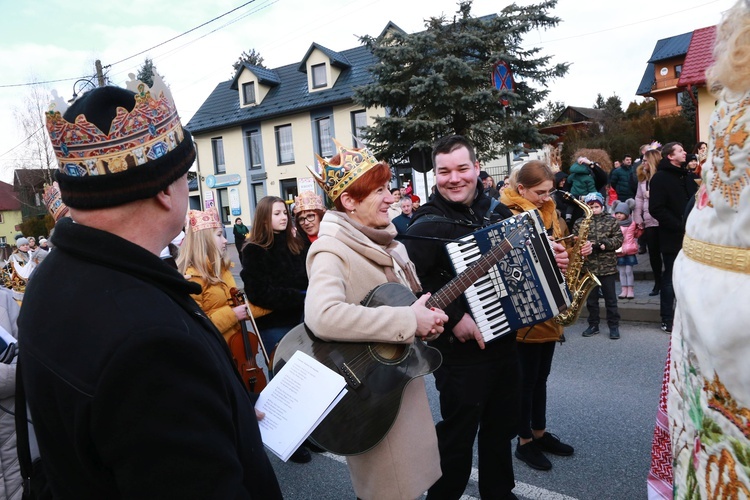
365, 184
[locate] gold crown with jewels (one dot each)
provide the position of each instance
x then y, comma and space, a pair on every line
334, 179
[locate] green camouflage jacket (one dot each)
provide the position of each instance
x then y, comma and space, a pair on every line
604, 229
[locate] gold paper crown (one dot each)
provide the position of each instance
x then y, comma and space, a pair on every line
307, 200
336, 178
209, 219
53, 201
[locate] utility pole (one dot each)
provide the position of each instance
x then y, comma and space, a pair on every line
99, 73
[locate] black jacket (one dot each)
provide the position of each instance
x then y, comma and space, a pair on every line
132, 391
671, 188
275, 279
435, 269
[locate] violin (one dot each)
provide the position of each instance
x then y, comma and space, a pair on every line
244, 346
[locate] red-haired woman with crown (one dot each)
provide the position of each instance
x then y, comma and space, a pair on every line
355, 252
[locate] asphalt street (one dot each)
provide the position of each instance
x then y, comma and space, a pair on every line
602, 399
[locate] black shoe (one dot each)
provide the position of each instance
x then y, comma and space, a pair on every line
666, 327
552, 444
654, 292
301, 456
614, 333
532, 456
591, 331
313, 447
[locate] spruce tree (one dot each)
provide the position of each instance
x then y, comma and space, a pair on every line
146, 72
438, 82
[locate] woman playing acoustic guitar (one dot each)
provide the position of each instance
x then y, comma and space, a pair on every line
355, 252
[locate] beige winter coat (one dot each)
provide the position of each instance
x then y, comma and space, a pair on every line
343, 266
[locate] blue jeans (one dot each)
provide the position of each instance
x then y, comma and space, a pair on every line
272, 336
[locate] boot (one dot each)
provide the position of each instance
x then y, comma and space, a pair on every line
623, 293
630, 292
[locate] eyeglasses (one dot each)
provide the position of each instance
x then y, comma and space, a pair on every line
544, 194
309, 218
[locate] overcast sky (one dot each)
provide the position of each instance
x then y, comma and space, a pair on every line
607, 43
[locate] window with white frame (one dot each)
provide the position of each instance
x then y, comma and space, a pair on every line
359, 121
325, 144
248, 93
217, 146
284, 144
254, 150
319, 78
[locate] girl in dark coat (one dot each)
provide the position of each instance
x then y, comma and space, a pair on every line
273, 270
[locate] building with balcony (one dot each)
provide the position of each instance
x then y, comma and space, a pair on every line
662, 75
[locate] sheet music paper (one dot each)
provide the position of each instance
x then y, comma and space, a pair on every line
296, 400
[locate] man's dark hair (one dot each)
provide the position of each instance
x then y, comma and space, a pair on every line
668, 148
626, 157
450, 143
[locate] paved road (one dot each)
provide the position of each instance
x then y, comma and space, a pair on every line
603, 396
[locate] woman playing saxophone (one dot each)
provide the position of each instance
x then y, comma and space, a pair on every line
531, 188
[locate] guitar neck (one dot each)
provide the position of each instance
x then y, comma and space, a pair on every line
458, 285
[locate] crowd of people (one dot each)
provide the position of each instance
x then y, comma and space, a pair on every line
160, 408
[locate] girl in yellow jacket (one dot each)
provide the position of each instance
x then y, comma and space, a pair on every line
203, 259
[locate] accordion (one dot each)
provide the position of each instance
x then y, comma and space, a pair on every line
525, 288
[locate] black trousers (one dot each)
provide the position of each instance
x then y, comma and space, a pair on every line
536, 363
651, 234
481, 396
610, 301
666, 302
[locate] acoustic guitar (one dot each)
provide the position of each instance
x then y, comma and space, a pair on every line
377, 373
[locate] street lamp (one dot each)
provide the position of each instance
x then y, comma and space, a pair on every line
87, 82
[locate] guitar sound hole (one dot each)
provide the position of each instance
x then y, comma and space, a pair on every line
389, 353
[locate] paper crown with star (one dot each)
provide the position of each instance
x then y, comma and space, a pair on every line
116, 145
209, 219
334, 179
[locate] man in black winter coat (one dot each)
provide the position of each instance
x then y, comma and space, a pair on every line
671, 188
478, 383
132, 390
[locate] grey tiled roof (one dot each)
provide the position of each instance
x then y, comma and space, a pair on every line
265, 76
222, 107
337, 59
671, 47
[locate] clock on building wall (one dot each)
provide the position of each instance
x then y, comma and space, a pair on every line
664, 71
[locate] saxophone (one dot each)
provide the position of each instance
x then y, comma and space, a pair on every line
580, 284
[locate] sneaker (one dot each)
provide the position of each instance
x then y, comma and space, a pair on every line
301, 456
614, 333
666, 327
531, 455
591, 331
552, 444
654, 292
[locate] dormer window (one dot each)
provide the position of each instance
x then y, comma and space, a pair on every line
248, 93
319, 78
